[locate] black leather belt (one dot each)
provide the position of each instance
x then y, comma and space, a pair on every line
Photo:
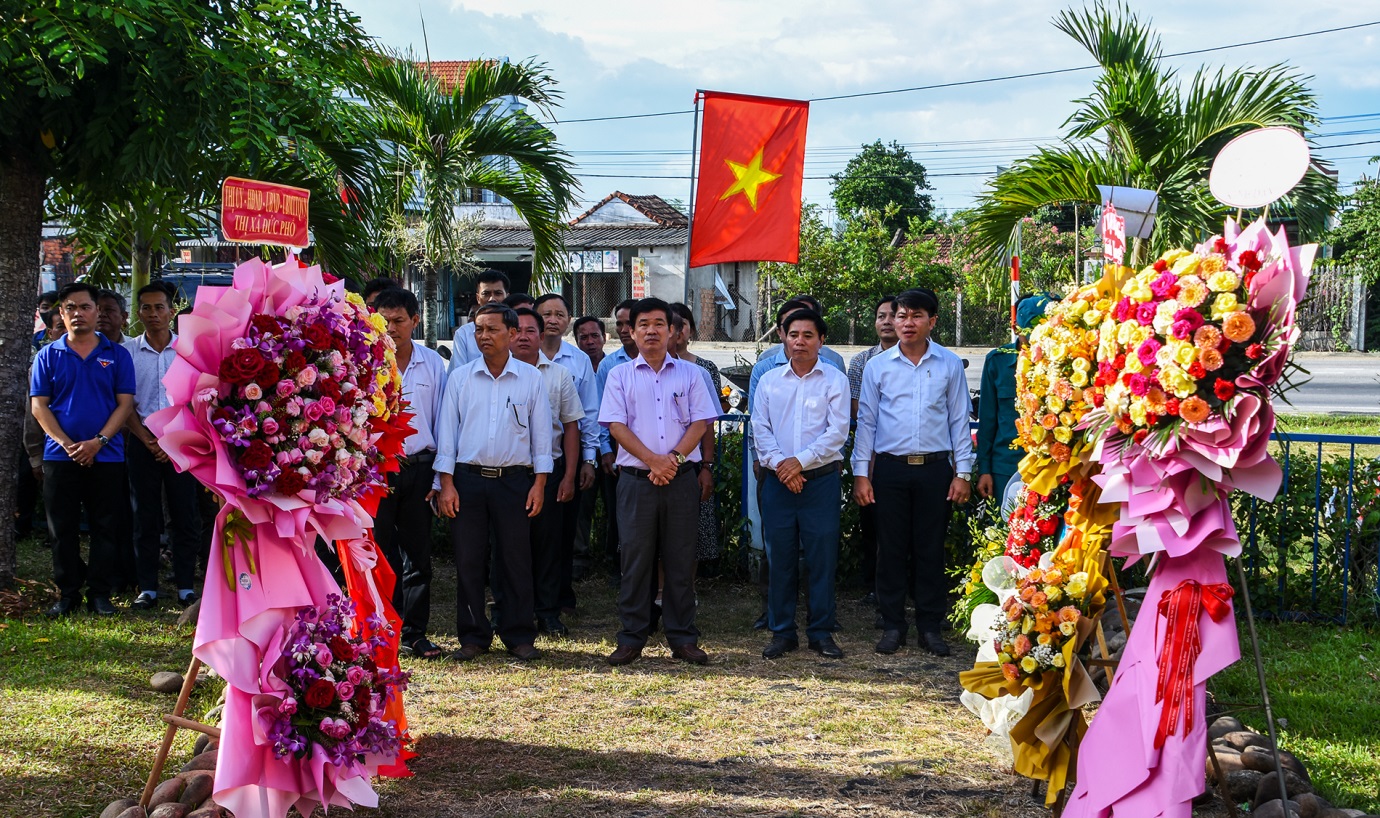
496, 471
684, 467
425, 456
822, 470
915, 459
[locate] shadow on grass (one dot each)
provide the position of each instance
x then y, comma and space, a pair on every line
489, 777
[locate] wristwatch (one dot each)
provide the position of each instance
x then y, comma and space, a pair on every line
680, 458
102, 439
965, 476
592, 463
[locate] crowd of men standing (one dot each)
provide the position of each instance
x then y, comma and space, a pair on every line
522, 434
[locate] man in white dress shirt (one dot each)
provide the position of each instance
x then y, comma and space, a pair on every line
913, 457
402, 526
492, 435
150, 472
491, 287
800, 425
555, 315
549, 527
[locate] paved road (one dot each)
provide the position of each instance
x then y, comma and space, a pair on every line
1335, 384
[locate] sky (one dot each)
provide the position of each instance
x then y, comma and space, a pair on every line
621, 57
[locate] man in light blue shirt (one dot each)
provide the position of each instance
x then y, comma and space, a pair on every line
493, 432
491, 287
913, 457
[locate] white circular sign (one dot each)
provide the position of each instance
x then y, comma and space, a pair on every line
1258, 167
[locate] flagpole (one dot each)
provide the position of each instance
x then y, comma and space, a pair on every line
694, 168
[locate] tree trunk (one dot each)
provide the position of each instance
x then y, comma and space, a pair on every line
21, 229
432, 292
141, 264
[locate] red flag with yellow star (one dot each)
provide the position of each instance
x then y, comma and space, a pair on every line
752, 165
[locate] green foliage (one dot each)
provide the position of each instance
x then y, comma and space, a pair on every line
1141, 127
879, 177
1356, 238
469, 138
850, 269
1285, 572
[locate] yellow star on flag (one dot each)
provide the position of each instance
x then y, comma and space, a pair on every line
749, 178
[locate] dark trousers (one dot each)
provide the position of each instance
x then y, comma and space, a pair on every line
402, 528
867, 541
26, 494
126, 568
493, 504
103, 490
796, 525
658, 523
566, 545
582, 546
912, 519
547, 530
148, 479
612, 545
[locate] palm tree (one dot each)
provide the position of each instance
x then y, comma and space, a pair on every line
468, 139
1140, 127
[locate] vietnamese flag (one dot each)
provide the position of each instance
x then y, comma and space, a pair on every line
752, 166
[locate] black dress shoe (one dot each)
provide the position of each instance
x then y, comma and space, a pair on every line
625, 655
934, 643
826, 647
779, 646
186, 601
890, 642
525, 653
144, 602
100, 606
468, 653
552, 625
761, 623
870, 599
63, 607
691, 654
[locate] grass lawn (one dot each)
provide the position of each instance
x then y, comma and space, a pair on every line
1325, 691
570, 736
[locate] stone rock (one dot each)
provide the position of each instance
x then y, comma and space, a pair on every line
1277, 809
1268, 788
213, 715
1337, 812
204, 812
1241, 739
1310, 805
212, 746
1241, 785
189, 614
117, 807
199, 786
170, 810
207, 761
166, 791
200, 746
1230, 761
135, 811
1224, 725
1262, 759
166, 681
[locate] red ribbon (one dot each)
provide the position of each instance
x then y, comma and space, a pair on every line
1182, 645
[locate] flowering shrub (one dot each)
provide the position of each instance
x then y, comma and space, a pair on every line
301, 396
1034, 524
337, 693
1038, 628
1171, 349
1055, 375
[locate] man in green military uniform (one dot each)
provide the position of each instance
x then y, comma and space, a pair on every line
996, 460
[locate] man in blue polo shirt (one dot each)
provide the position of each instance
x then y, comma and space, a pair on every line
82, 390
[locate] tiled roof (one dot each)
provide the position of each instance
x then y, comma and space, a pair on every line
653, 207
592, 237
450, 74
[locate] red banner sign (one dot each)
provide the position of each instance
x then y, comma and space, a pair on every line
263, 212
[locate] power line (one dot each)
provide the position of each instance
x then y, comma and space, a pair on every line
1006, 78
